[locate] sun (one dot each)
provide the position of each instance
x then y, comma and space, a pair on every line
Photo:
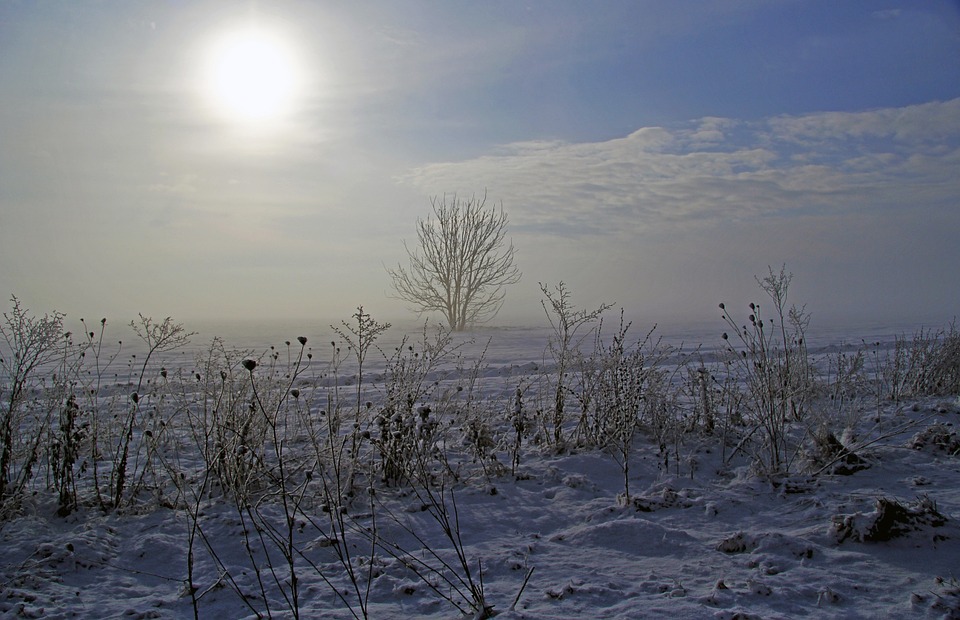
251, 75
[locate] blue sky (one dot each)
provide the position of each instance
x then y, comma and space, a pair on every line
651, 153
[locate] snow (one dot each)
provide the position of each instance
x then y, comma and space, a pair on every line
698, 538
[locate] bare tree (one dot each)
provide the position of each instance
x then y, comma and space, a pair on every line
463, 264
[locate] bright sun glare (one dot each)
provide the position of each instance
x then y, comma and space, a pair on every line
252, 76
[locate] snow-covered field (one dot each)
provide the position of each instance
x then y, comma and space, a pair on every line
550, 536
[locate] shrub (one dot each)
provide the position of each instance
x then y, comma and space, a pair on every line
407, 426
32, 344
564, 347
624, 387
769, 357
924, 364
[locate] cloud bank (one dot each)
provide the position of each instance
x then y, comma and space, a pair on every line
720, 170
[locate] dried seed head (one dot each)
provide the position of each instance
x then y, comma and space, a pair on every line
302, 340
249, 364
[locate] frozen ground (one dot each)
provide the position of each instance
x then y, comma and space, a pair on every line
699, 539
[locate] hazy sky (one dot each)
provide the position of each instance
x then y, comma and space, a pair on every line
653, 153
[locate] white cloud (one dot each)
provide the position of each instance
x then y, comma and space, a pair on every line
181, 185
912, 125
717, 170
887, 14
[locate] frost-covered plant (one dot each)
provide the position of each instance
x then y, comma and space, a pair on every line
924, 364
451, 573
480, 437
269, 513
455, 578
158, 337
66, 425
928, 364
836, 404
480, 419
564, 349
663, 415
728, 401
893, 371
698, 384
227, 431
623, 388
769, 356
845, 385
289, 476
405, 433
406, 430
31, 344
97, 405
944, 375
334, 481
360, 336
520, 426
65, 445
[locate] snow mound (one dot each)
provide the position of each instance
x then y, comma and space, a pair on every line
766, 542
664, 495
936, 438
633, 536
890, 519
